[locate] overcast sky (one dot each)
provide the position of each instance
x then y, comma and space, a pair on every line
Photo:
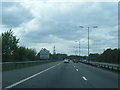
44, 24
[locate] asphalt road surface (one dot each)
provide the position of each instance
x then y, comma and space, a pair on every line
60, 75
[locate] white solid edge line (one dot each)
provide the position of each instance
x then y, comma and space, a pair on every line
84, 78
21, 81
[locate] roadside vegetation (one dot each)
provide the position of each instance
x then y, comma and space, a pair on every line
108, 56
13, 52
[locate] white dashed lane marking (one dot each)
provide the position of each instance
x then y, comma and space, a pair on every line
84, 78
76, 69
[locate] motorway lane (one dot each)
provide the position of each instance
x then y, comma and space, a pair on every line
64, 75
13, 76
97, 77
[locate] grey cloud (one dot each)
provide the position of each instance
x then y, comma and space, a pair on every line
13, 14
65, 25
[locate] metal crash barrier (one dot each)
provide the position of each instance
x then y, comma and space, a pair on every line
102, 65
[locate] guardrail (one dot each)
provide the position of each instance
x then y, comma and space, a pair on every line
25, 62
103, 65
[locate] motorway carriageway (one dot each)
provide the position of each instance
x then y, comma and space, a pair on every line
60, 75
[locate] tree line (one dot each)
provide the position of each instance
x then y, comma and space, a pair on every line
11, 51
109, 55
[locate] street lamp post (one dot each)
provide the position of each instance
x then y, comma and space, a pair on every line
88, 38
88, 43
79, 47
75, 50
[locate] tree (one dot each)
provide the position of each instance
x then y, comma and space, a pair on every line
38, 56
23, 54
94, 57
9, 45
58, 56
20, 54
110, 55
12, 52
31, 54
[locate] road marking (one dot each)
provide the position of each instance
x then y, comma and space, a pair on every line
76, 69
21, 81
84, 78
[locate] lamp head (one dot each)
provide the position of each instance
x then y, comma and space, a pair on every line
81, 27
95, 26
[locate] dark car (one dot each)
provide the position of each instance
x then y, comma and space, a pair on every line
75, 61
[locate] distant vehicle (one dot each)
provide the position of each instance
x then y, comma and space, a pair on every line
66, 61
85, 60
75, 61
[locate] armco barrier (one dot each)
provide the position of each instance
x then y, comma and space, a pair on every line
103, 65
25, 62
